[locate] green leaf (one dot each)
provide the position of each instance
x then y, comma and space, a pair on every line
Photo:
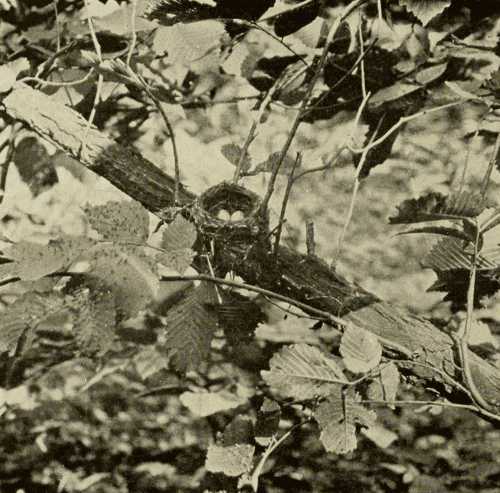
435, 206
301, 371
204, 404
120, 222
360, 350
425, 10
31, 261
190, 326
337, 417
232, 461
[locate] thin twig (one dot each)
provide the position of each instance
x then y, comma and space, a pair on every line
133, 41
305, 101
287, 11
8, 158
354, 194
58, 30
280, 41
362, 64
288, 189
50, 83
323, 315
100, 78
254, 478
310, 241
170, 129
403, 120
494, 162
464, 334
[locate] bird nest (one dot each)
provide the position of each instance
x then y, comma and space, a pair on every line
231, 211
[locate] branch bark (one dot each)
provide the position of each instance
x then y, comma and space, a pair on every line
430, 352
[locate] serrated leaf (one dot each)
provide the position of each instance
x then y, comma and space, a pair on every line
232, 461
170, 12
435, 206
190, 326
452, 254
19, 319
204, 404
232, 153
385, 386
360, 349
177, 240
128, 276
179, 234
120, 221
31, 261
425, 10
95, 323
337, 417
301, 371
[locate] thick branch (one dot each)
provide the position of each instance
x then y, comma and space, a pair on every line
301, 277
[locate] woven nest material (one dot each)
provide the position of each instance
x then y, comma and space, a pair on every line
231, 198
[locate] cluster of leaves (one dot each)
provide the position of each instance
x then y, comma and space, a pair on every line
83, 296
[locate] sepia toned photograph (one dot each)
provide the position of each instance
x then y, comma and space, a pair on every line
250, 246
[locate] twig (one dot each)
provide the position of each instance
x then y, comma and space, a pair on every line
254, 478
464, 334
403, 120
305, 101
361, 54
58, 30
354, 194
494, 162
326, 316
324, 167
287, 11
170, 129
280, 41
133, 42
470, 407
100, 78
8, 158
50, 83
289, 185
310, 241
